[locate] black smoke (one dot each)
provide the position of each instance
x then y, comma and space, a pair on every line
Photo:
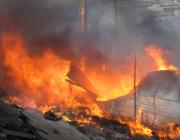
109, 38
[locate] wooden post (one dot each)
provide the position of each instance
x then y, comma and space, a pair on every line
135, 69
155, 114
135, 94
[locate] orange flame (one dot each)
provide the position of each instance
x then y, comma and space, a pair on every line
40, 78
169, 130
157, 54
137, 128
140, 129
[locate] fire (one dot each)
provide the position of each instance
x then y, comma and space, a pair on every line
111, 83
45, 74
158, 54
138, 128
165, 131
122, 87
169, 130
40, 79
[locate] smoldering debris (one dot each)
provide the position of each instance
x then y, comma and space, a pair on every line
22, 124
84, 125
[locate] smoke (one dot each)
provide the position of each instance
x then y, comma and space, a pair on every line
111, 38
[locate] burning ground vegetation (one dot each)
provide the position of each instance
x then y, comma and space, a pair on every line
47, 97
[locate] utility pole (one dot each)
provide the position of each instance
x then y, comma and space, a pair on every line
83, 15
135, 93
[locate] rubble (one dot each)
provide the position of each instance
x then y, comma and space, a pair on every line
12, 126
52, 130
51, 116
57, 124
30, 124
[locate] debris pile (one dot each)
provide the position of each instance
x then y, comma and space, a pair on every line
72, 124
30, 124
80, 123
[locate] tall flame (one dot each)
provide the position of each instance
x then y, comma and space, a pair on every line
40, 79
158, 56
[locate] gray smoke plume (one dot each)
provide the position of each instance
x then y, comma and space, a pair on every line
111, 38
